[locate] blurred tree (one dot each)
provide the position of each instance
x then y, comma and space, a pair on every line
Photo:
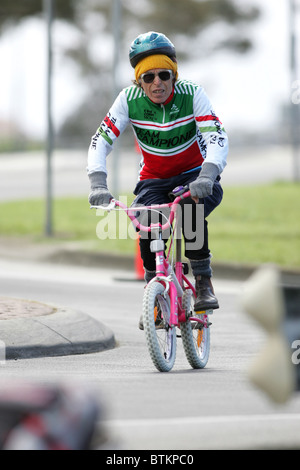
190, 24
173, 17
13, 12
187, 17
191, 17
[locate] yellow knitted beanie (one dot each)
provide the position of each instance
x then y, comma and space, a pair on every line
157, 61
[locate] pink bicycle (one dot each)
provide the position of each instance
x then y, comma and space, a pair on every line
169, 297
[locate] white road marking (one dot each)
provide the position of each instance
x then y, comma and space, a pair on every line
203, 420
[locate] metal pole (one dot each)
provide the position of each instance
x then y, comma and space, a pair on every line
294, 108
116, 27
48, 11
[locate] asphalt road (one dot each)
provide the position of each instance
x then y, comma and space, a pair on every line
24, 175
185, 409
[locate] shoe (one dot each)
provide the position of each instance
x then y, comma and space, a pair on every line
206, 298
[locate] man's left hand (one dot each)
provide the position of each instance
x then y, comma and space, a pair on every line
203, 185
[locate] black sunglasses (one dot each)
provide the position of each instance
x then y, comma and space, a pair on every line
165, 75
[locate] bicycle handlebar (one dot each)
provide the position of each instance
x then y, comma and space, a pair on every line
181, 192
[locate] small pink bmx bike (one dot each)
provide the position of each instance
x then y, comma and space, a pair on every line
168, 301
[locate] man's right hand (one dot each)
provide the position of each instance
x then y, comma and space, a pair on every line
99, 195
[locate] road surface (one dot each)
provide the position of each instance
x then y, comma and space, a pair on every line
185, 409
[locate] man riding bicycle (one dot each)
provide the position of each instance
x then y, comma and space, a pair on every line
182, 142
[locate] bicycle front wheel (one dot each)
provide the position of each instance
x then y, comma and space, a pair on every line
195, 337
160, 337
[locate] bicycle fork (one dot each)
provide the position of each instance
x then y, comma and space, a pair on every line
173, 283
165, 274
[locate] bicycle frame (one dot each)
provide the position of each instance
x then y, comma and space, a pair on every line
175, 282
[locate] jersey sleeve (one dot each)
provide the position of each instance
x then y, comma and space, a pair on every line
211, 130
110, 129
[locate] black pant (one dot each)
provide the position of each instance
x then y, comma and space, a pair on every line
156, 191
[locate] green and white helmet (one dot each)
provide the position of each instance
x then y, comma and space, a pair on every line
148, 44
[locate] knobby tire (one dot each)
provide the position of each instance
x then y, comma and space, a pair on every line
160, 337
196, 342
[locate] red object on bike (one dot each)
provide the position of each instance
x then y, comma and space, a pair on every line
139, 267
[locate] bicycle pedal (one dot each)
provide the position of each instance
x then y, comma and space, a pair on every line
204, 312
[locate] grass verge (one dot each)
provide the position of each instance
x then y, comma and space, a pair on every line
254, 224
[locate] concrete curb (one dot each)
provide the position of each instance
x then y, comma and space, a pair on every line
62, 332
234, 271
75, 253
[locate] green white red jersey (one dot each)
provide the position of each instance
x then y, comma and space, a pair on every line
174, 137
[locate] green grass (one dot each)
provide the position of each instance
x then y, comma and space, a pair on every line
72, 220
258, 224
254, 224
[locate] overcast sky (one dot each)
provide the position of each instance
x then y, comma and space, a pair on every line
245, 89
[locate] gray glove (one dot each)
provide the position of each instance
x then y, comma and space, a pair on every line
203, 185
99, 196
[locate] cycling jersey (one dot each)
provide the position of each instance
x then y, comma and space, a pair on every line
174, 137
